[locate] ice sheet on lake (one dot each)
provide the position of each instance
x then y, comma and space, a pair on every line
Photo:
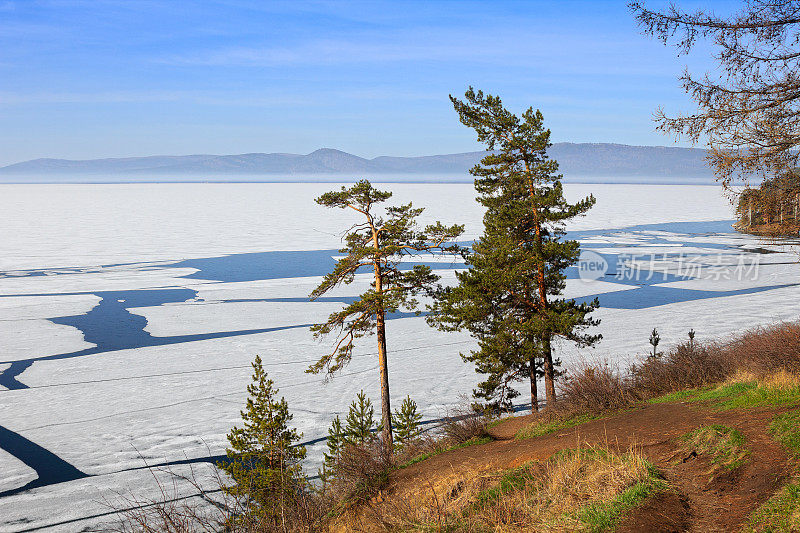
167, 278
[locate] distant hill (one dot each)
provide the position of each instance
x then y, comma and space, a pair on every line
578, 162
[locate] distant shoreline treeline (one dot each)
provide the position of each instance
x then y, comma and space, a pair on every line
772, 208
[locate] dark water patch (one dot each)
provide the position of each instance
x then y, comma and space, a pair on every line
110, 326
708, 227
8, 377
259, 266
653, 296
36, 272
49, 468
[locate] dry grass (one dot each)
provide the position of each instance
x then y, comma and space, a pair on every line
361, 471
747, 389
781, 380
768, 349
575, 490
741, 376
685, 367
758, 367
463, 424
596, 389
770, 381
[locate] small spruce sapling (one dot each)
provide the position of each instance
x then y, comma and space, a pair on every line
263, 460
655, 338
335, 443
360, 422
406, 423
691, 339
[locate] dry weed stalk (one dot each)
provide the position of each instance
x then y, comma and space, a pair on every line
538, 496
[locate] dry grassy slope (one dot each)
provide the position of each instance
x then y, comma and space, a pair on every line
701, 504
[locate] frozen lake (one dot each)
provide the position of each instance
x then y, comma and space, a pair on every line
129, 315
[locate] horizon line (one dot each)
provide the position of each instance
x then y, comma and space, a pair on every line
324, 148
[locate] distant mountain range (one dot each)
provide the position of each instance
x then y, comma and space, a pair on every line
585, 162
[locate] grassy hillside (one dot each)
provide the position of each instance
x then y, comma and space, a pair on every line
704, 438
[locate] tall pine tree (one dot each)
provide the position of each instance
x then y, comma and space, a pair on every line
263, 460
510, 298
377, 243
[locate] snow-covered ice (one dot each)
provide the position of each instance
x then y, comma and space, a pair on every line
129, 315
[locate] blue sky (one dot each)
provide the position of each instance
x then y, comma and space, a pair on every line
114, 78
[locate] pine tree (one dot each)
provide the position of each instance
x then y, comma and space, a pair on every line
263, 460
510, 297
406, 423
377, 244
747, 105
335, 442
360, 423
655, 338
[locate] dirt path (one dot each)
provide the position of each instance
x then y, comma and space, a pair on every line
723, 502
702, 502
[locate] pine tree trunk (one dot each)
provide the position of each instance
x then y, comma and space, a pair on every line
534, 392
549, 374
384, 370
380, 318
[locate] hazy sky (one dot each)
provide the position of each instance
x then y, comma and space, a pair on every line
110, 78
